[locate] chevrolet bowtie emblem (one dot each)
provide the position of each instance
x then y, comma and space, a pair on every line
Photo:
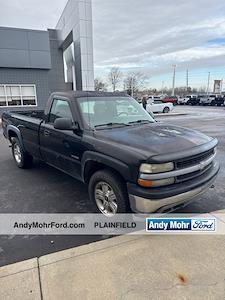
202, 165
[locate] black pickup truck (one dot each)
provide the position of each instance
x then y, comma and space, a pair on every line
108, 141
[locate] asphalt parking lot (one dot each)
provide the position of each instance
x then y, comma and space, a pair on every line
43, 189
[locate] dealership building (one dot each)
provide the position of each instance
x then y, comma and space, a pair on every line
35, 63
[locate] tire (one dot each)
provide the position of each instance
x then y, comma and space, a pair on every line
166, 110
23, 159
103, 182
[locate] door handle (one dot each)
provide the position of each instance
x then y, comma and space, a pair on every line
46, 132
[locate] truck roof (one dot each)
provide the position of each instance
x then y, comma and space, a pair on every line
79, 94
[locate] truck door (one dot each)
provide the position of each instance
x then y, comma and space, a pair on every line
61, 148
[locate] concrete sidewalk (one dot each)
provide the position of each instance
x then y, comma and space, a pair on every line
126, 267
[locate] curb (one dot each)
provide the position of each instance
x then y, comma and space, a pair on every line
171, 115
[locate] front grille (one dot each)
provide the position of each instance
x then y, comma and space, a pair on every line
194, 160
194, 168
193, 175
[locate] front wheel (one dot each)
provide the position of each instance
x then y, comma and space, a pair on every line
22, 158
166, 110
108, 192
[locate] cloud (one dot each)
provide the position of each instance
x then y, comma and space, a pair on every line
32, 14
143, 35
152, 35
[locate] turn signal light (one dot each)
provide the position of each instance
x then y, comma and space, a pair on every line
155, 183
145, 183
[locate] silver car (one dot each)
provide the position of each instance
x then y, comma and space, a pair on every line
208, 99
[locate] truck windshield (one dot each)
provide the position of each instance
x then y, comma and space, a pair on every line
100, 112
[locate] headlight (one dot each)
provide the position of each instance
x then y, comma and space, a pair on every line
156, 183
156, 168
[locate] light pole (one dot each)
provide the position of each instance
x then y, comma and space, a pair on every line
174, 76
187, 80
162, 87
208, 84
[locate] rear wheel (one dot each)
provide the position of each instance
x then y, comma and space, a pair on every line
108, 192
166, 110
22, 158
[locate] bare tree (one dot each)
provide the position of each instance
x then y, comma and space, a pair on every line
202, 89
181, 91
133, 82
115, 76
100, 86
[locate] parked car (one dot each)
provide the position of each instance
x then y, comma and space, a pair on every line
208, 100
170, 99
219, 100
189, 99
128, 161
199, 97
204, 100
193, 100
153, 98
182, 100
158, 106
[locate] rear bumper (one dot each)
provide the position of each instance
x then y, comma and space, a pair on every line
168, 198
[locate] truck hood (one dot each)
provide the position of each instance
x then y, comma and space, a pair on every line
154, 139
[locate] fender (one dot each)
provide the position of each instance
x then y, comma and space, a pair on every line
17, 132
111, 162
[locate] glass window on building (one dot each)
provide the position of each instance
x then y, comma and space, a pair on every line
2, 96
18, 95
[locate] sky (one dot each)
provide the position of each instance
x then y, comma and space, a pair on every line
144, 36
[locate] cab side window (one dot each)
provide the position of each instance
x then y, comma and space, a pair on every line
59, 109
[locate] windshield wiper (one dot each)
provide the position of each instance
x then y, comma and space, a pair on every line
111, 124
140, 122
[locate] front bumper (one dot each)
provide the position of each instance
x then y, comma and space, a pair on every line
168, 198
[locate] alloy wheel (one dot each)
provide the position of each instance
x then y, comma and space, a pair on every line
17, 153
105, 199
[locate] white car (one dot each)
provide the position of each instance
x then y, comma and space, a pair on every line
157, 106
153, 98
186, 100
209, 99
182, 100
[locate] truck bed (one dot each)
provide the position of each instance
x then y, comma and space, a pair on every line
29, 123
38, 114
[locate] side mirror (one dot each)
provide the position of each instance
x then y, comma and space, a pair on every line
65, 124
